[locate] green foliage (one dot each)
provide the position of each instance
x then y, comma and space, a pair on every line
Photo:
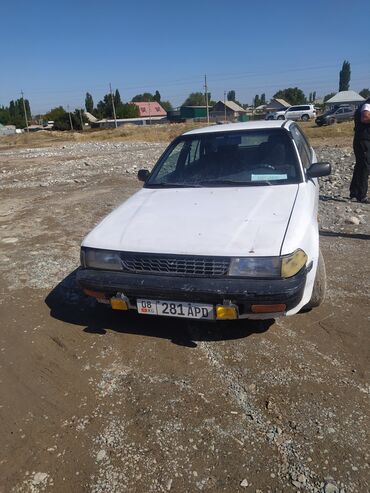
127, 110
197, 99
231, 95
145, 97
14, 114
117, 99
292, 95
328, 96
55, 113
157, 97
166, 105
345, 76
62, 122
256, 101
89, 103
365, 93
4, 116
263, 98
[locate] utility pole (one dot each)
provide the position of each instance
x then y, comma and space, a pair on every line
206, 93
25, 112
82, 122
225, 104
70, 118
114, 108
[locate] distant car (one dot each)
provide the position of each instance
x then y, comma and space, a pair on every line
336, 115
276, 115
302, 112
225, 227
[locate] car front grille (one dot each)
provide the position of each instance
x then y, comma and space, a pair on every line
184, 265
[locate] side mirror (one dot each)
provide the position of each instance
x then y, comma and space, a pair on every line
143, 174
319, 169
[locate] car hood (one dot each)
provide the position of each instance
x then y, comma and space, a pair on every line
238, 221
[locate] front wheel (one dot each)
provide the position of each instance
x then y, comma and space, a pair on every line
280, 117
331, 121
305, 118
319, 287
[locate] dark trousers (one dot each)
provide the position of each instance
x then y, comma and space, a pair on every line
358, 187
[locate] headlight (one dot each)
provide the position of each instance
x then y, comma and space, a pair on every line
276, 267
255, 267
293, 263
100, 259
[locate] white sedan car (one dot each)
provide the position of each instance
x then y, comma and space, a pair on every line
225, 227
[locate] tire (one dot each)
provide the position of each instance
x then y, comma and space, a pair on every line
331, 121
280, 117
305, 118
319, 287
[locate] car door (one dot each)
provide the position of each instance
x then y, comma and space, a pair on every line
339, 115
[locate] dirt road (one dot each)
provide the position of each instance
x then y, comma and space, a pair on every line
98, 401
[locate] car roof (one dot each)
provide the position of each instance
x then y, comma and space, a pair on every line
231, 127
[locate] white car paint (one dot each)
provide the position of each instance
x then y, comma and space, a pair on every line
237, 221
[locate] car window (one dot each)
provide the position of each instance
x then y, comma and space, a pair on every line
302, 145
239, 157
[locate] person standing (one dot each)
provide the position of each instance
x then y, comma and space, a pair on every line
361, 148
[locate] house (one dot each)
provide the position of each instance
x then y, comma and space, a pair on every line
150, 109
350, 98
227, 110
277, 104
7, 129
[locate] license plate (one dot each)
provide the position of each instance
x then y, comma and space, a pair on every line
175, 309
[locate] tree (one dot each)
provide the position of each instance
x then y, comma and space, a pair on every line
328, 96
166, 105
196, 99
4, 116
127, 110
256, 101
145, 97
157, 97
365, 93
62, 122
263, 98
345, 76
231, 95
117, 99
89, 103
55, 113
292, 95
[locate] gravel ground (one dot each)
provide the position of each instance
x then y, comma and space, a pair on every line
93, 400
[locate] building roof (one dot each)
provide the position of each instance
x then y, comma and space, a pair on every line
345, 97
233, 106
150, 109
90, 117
281, 101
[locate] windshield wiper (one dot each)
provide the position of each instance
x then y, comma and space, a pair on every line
166, 184
234, 183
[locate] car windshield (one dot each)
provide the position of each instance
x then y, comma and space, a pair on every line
247, 158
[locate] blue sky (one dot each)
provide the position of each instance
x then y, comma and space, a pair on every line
56, 51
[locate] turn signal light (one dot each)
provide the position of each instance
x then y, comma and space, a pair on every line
226, 312
268, 308
118, 303
96, 294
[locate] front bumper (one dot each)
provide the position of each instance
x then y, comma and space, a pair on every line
242, 292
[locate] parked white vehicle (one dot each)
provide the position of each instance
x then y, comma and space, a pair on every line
302, 112
224, 227
276, 115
